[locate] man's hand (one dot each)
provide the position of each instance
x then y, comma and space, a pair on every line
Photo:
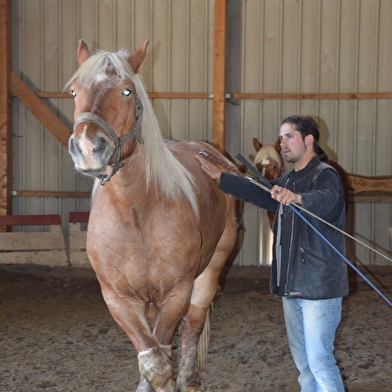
285, 196
212, 170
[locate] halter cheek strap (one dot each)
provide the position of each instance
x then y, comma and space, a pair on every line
118, 141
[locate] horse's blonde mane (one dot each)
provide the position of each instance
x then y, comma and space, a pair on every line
162, 168
268, 151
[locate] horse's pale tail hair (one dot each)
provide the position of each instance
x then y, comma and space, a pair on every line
204, 341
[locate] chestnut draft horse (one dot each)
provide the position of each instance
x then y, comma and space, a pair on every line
269, 162
160, 230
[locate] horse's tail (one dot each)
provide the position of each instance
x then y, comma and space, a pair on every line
204, 341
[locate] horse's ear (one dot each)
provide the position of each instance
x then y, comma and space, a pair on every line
278, 147
137, 58
256, 144
82, 53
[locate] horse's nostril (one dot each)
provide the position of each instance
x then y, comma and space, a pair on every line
100, 144
71, 145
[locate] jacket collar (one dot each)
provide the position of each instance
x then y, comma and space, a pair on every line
313, 163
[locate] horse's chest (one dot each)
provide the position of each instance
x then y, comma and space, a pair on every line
138, 238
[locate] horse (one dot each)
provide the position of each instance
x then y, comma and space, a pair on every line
269, 162
159, 230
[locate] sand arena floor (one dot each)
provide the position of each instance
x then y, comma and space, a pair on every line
56, 334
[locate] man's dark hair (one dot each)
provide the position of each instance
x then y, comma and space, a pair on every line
306, 126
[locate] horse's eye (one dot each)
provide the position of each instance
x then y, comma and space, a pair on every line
73, 92
127, 92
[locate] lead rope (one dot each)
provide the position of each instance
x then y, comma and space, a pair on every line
295, 207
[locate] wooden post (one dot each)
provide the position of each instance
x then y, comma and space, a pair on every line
5, 109
219, 100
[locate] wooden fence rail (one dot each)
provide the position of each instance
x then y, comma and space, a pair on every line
38, 247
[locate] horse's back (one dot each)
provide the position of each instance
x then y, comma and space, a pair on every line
205, 187
207, 190
185, 152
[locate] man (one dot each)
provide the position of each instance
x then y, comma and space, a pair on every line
306, 271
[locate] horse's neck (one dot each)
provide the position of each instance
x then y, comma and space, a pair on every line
129, 185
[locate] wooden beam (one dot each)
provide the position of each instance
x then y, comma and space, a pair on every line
364, 184
5, 108
22, 220
32, 101
47, 94
51, 193
312, 96
219, 99
369, 189
78, 217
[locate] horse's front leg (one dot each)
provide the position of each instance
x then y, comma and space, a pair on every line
154, 369
154, 360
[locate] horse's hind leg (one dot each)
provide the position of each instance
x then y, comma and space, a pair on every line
192, 325
203, 293
188, 379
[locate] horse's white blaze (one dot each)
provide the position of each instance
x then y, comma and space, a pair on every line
86, 146
264, 162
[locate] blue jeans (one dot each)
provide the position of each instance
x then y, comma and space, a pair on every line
311, 327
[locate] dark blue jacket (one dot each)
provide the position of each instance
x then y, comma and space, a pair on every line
310, 267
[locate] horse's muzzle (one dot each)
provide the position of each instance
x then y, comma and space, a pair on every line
91, 155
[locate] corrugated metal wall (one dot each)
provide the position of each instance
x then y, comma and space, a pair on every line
309, 46
274, 46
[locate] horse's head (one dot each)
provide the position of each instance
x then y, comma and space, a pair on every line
268, 160
108, 111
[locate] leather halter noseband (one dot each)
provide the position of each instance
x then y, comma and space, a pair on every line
118, 141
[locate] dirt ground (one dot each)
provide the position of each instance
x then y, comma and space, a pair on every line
56, 334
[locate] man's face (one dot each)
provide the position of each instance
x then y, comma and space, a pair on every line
293, 146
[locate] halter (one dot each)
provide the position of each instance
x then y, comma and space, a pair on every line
118, 141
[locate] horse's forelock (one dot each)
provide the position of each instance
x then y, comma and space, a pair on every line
95, 69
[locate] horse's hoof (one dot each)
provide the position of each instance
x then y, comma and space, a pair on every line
144, 386
193, 388
188, 388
